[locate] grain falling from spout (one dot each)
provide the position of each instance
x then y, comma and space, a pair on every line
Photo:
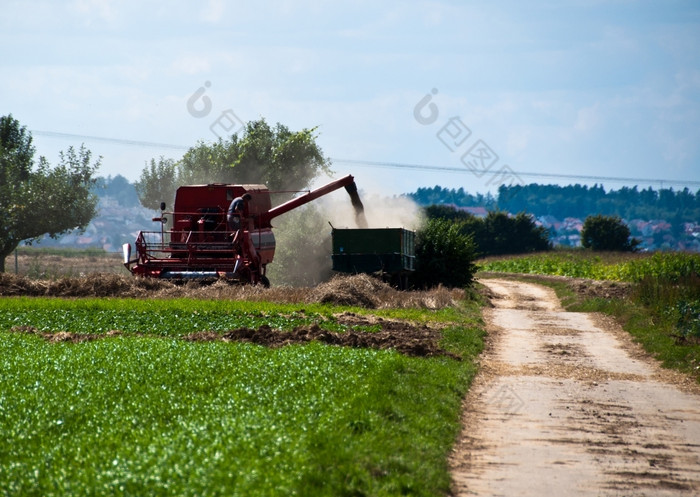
360, 219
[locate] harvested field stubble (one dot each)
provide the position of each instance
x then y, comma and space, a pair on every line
365, 291
358, 290
92, 285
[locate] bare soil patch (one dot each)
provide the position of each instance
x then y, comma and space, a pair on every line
405, 338
64, 336
402, 336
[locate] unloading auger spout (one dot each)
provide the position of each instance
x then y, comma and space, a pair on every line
347, 181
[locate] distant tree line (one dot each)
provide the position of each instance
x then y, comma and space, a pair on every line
438, 195
577, 201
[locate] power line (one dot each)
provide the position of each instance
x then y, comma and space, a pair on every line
118, 141
393, 165
463, 170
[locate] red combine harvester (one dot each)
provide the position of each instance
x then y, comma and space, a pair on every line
220, 231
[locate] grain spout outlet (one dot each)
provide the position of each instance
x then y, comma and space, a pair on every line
360, 219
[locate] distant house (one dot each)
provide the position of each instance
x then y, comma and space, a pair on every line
659, 225
572, 224
574, 240
549, 222
86, 241
476, 211
479, 212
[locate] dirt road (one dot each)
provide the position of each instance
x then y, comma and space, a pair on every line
566, 404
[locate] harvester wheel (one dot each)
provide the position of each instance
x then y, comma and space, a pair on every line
265, 282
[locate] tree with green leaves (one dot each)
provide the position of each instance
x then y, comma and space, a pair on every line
449, 212
42, 200
607, 233
158, 183
506, 234
274, 156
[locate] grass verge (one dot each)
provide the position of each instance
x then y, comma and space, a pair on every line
658, 334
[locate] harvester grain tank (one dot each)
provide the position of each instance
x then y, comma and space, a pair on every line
220, 230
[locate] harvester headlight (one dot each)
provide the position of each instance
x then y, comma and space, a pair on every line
126, 252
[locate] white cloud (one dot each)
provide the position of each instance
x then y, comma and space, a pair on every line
190, 64
518, 141
587, 118
213, 11
99, 11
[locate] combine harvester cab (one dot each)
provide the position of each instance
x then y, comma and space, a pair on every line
210, 239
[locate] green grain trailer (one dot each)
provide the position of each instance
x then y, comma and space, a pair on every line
390, 252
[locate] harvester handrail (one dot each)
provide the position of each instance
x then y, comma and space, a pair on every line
198, 213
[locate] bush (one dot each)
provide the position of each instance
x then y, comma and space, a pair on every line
444, 255
607, 233
448, 212
503, 234
498, 233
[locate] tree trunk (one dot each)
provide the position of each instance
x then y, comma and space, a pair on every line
4, 252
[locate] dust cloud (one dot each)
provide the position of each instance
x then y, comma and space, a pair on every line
380, 211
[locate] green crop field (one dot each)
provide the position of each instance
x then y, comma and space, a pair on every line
145, 412
607, 266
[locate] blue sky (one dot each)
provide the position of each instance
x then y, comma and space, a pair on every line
580, 88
